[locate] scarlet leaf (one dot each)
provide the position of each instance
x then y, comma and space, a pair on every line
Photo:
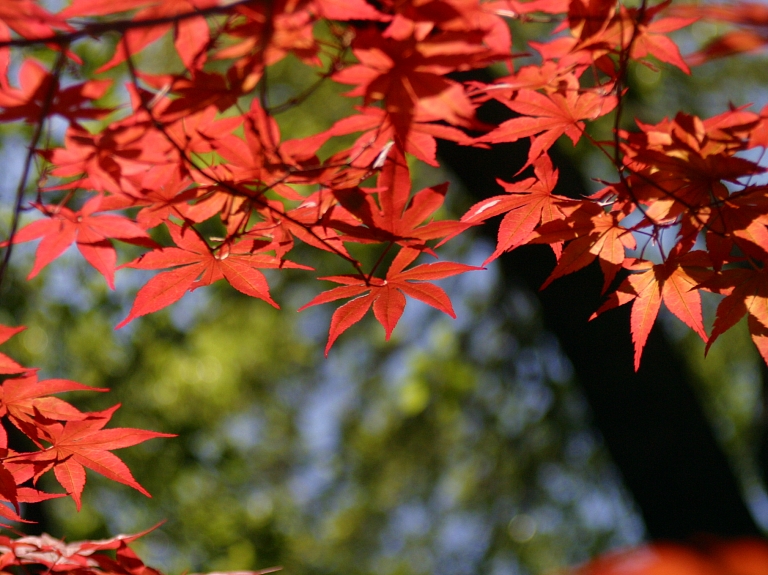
674, 282
388, 307
347, 316
76, 445
163, 290
200, 266
430, 294
386, 296
92, 233
547, 117
598, 235
25, 398
644, 311
7, 365
746, 293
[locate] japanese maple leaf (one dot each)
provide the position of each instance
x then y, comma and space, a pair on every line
60, 556
82, 8
380, 132
165, 198
346, 10
7, 365
387, 296
601, 29
746, 293
472, 18
527, 204
28, 19
739, 220
267, 32
311, 222
263, 157
92, 234
410, 75
674, 282
547, 76
729, 44
595, 234
743, 39
196, 265
398, 216
29, 101
23, 399
13, 473
546, 117
588, 18
198, 96
685, 174
110, 157
513, 8
76, 445
126, 562
652, 38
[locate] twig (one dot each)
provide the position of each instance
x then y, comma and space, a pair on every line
31, 151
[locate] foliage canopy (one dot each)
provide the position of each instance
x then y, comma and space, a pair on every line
185, 161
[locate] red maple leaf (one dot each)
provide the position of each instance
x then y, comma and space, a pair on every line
7, 365
29, 100
126, 562
750, 17
197, 265
546, 117
409, 76
398, 216
346, 10
268, 32
595, 234
191, 34
674, 282
746, 293
528, 203
10, 492
312, 222
109, 158
23, 399
92, 234
28, 19
651, 37
58, 555
387, 296
380, 132
80, 444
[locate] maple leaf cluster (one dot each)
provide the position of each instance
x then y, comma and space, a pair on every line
193, 167
66, 441
45, 554
202, 149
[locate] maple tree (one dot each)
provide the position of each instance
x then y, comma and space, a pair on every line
193, 169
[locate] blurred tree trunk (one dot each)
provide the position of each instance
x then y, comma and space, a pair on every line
651, 421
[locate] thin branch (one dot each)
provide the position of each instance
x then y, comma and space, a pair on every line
31, 151
100, 28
